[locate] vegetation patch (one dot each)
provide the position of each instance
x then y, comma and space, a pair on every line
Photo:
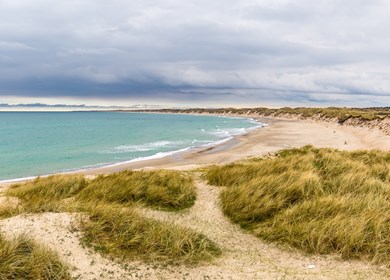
124, 233
114, 227
22, 258
45, 194
163, 189
341, 114
318, 200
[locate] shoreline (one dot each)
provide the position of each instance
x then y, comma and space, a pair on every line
276, 135
89, 170
244, 255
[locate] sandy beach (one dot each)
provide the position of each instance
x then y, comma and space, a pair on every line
194, 140
278, 134
245, 257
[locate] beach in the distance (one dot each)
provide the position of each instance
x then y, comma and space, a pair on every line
276, 135
43, 143
194, 140
240, 248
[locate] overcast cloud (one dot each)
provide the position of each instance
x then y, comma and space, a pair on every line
207, 52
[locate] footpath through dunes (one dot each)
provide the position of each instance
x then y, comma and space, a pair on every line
247, 257
243, 255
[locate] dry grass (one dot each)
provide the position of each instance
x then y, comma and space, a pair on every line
22, 258
342, 114
163, 189
114, 227
124, 233
318, 200
9, 206
47, 194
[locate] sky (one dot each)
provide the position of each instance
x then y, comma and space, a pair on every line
212, 53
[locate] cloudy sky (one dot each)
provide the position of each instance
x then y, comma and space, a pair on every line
196, 53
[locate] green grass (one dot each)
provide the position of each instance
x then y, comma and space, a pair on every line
318, 200
163, 189
21, 258
125, 234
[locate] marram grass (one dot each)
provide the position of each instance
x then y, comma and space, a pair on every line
112, 225
338, 113
318, 200
47, 194
162, 189
126, 234
22, 258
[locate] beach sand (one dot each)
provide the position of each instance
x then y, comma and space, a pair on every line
279, 134
245, 257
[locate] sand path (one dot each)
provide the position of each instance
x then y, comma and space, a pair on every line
244, 256
55, 230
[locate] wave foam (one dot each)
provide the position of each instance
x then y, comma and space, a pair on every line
143, 147
225, 134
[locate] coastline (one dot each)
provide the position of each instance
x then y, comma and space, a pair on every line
140, 160
278, 134
219, 135
245, 256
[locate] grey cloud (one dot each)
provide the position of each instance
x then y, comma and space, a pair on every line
321, 52
13, 46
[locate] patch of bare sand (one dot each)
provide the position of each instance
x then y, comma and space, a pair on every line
55, 231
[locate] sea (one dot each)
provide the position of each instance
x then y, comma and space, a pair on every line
42, 143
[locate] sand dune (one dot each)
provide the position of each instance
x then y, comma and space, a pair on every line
244, 256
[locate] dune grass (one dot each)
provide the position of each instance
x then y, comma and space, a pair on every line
114, 227
46, 194
163, 189
318, 200
125, 234
22, 258
342, 114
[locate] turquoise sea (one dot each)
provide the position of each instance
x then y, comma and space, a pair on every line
40, 143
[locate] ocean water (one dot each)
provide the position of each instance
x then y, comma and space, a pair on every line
40, 143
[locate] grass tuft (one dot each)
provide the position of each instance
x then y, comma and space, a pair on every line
317, 200
162, 189
47, 193
124, 233
21, 258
